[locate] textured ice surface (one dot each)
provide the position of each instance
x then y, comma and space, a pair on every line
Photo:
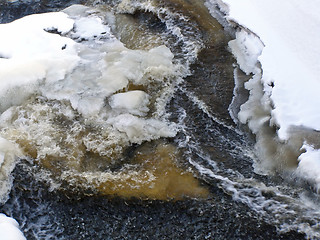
286, 92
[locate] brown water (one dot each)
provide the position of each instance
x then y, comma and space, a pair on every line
89, 180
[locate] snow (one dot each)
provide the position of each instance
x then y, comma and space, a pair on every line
309, 165
90, 27
31, 54
73, 59
9, 229
290, 32
284, 37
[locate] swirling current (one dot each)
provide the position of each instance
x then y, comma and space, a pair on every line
139, 140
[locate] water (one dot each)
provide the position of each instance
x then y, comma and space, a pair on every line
84, 176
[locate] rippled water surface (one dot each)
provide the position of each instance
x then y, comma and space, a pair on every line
190, 175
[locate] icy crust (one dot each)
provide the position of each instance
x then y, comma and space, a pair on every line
280, 38
289, 58
29, 54
9, 229
71, 91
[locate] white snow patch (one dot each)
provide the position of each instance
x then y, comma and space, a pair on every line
309, 165
290, 32
90, 27
289, 53
32, 55
9, 229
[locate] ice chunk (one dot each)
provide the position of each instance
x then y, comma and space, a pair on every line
90, 27
125, 65
290, 57
28, 37
139, 129
246, 48
287, 88
134, 102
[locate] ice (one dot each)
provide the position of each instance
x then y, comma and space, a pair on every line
90, 27
31, 54
135, 65
247, 48
134, 102
282, 37
9, 229
309, 165
69, 87
139, 130
28, 37
289, 59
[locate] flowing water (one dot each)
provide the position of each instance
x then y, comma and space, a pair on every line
180, 169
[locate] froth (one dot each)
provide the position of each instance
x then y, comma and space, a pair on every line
86, 100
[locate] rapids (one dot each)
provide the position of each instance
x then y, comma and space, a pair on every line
129, 129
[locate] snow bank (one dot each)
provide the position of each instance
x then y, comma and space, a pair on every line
289, 52
289, 59
9, 229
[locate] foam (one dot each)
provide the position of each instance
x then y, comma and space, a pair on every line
72, 96
8, 155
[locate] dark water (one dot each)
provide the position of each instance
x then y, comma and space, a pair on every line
61, 215
240, 205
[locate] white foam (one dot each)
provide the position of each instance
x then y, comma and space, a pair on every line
8, 156
9, 229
